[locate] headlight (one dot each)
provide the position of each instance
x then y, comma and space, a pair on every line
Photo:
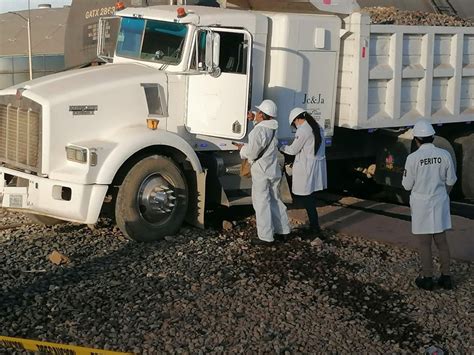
81, 155
76, 154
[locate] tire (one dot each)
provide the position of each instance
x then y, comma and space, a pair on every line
442, 142
44, 220
466, 158
152, 201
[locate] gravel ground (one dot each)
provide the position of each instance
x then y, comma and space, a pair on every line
392, 15
211, 291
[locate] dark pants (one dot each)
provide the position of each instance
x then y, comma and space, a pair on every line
426, 256
309, 203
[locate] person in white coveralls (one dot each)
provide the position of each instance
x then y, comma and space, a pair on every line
429, 173
261, 152
309, 168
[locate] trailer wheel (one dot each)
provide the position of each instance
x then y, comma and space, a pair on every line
442, 142
152, 200
466, 158
45, 220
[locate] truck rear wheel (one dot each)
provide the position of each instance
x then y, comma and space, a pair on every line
152, 200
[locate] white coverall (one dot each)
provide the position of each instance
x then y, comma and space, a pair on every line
427, 172
270, 211
309, 170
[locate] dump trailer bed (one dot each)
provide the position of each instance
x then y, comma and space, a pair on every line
391, 76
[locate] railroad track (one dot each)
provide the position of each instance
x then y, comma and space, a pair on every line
14, 225
459, 208
463, 209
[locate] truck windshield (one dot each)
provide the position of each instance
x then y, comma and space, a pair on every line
155, 41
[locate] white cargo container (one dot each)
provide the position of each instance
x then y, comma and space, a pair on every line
150, 134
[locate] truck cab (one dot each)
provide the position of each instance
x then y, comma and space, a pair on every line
152, 131
208, 53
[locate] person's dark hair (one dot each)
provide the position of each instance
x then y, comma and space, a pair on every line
316, 129
423, 140
265, 116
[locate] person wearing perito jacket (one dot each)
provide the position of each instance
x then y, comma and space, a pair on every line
429, 173
261, 151
309, 168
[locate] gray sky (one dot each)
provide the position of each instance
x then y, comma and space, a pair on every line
12, 5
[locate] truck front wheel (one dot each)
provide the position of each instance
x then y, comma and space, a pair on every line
152, 200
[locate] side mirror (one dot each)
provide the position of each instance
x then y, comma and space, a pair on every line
213, 45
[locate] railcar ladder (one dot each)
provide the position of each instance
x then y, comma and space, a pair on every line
444, 7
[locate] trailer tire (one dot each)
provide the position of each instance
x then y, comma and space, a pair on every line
466, 159
152, 201
44, 220
445, 144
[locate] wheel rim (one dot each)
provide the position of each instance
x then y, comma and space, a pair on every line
156, 199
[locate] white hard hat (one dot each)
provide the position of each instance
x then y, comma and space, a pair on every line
423, 129
295, 113
268, 107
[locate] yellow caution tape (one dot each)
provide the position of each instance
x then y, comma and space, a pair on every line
51, 348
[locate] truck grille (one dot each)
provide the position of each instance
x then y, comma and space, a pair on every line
20, 129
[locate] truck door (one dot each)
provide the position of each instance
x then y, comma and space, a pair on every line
217, 102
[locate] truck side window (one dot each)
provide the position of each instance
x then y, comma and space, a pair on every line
233, 53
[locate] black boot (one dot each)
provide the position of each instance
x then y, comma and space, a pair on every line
309, 233
305, 233
260, 242
282, 238
445, 282
318, 232
426, 283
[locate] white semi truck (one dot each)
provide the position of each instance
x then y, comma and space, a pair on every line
150, 133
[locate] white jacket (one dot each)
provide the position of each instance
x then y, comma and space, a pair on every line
309, 170
427, 172
267, 166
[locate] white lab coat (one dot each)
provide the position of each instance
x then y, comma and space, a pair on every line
427, 172
309, 170
270, 211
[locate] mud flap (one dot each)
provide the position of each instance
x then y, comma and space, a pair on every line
197, 200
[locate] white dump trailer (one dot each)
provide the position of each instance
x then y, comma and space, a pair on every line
150, 133
391, 76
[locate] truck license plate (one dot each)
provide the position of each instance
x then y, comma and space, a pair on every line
16, 201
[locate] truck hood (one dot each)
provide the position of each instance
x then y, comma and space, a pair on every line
60, 87
84, 105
